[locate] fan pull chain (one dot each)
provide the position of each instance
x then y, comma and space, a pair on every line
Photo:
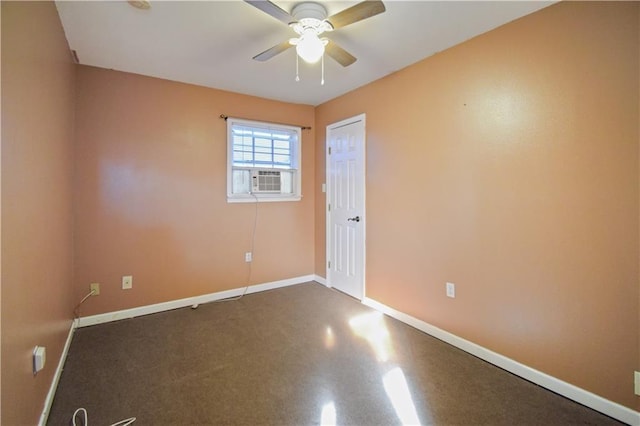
297, 74
322, 78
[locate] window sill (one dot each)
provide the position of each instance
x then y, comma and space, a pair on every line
262, 198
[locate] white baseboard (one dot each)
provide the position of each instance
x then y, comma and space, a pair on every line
584, 397
189, 301
56, 378
321, 280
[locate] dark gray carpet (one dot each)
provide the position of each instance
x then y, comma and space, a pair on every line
298, 355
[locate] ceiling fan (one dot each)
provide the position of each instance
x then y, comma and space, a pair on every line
309, 20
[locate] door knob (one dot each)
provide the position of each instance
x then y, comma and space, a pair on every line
355, 219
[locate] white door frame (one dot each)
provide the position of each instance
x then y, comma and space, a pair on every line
328, 220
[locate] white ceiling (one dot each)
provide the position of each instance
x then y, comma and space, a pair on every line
211, 43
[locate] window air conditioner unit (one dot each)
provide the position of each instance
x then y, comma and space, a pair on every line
265, 181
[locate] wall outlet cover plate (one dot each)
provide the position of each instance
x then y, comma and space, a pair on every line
451, 290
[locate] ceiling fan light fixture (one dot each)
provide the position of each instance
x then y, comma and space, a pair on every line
310, 48
309, 20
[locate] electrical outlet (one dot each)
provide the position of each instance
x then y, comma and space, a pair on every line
451, 290
248, 257
95, 288
127, 282
636, 377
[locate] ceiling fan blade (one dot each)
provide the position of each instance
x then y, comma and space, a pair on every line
360, 11
271, 9
341, 56
270, 53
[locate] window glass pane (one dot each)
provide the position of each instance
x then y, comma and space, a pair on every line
242, 156
263, 147
281, 159
263, 158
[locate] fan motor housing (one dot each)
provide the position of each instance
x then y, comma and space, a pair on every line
309, 10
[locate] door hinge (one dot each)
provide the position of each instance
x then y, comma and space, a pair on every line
329, 207
329, 264
329, 150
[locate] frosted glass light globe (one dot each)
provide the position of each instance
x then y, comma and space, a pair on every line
310, 48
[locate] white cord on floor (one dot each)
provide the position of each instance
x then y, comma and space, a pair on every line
85, 420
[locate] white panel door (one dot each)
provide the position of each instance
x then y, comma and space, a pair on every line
346, 206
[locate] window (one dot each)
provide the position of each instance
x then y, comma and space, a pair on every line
263, 161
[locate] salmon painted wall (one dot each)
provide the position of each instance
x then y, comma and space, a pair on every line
151, 193
509, 166
37, 163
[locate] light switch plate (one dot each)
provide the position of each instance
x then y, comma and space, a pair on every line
636, 381
39, 358
127, 282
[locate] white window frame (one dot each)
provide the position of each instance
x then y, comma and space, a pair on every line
296, 169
